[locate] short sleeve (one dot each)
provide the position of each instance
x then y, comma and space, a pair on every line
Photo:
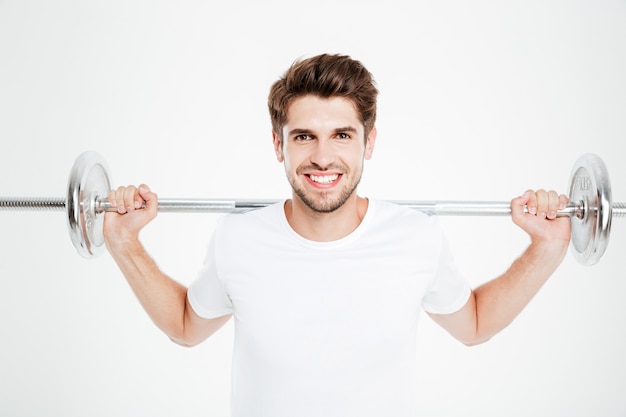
449, 290
206, 294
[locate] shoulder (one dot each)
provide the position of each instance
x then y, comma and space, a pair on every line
391, 211
394, 218
258, 221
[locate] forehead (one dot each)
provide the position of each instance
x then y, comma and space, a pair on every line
321, 111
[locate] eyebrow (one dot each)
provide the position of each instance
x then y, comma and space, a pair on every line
298, 131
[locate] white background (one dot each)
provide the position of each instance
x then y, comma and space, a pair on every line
479, 101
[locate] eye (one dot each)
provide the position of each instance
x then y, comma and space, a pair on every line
303, 137
343, 136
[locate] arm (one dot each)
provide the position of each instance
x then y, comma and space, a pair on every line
493, 306
164, 299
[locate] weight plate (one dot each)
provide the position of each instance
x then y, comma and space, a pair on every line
89, 179
591, 187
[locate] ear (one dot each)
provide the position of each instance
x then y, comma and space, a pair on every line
369, 144
278, 147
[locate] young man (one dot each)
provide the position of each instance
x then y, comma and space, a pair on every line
326, 287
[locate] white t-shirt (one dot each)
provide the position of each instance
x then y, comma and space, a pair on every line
327, 328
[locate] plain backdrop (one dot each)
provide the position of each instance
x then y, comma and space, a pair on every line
478, 101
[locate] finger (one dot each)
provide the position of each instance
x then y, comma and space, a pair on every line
111, 198
147, 196
139, 199
553, 204
543, 203
129, 198
119, 200
531, 202
520, 204
563, 200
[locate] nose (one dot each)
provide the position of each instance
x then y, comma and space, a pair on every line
323, 154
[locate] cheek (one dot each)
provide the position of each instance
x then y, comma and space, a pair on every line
293, 157
289, 163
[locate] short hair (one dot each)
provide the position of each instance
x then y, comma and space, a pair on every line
324, 76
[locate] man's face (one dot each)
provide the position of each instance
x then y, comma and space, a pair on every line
323, 149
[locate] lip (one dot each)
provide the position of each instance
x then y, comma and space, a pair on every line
324, 185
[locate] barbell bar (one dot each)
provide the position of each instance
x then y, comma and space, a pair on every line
590, 208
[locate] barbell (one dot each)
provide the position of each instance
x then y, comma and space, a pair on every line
590, 208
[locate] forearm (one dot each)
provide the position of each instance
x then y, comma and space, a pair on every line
493, 306
499, 301
163, 298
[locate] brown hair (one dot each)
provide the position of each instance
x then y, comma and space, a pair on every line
324, 76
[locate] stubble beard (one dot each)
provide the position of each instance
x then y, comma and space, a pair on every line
322, 202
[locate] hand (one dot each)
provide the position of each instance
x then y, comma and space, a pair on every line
136, 207
540, 222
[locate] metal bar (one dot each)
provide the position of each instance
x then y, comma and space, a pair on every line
460, 208
441, 208
198, 205
32, 203
618, 209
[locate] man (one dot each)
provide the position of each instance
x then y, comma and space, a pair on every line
326, 287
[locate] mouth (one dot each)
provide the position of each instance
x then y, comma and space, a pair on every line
324, 180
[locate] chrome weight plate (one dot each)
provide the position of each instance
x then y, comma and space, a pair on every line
89, 180
590, 185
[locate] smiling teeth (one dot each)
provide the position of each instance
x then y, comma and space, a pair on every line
324, 179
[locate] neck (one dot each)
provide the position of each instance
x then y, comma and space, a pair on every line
325, 227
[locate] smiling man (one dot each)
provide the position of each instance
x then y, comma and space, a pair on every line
323, 146
326, 287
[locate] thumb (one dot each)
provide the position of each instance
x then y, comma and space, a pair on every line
528, 200
148, 198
